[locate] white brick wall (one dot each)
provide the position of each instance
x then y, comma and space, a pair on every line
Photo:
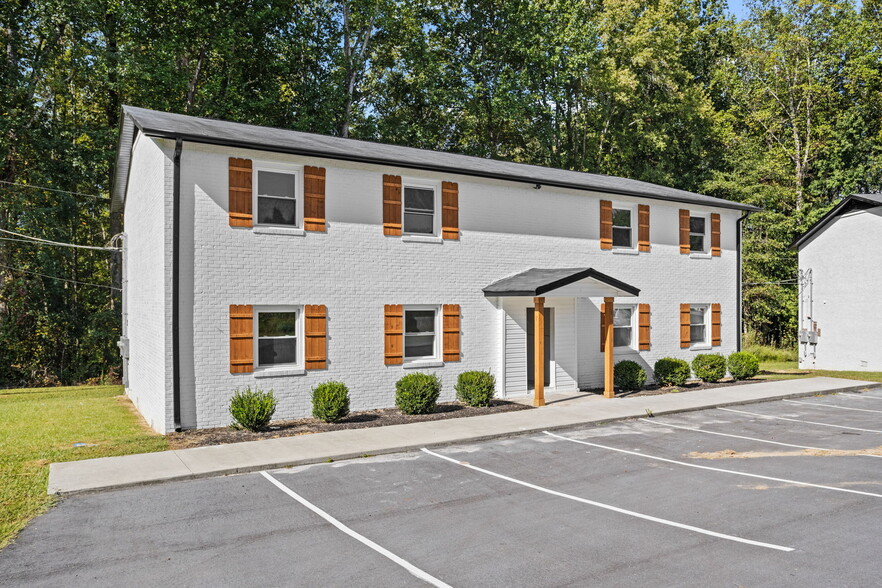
847, 279
354, 270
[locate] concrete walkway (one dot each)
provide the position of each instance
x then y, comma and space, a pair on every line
562, 412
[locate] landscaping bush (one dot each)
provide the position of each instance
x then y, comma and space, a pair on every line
743, 365
628, 375
475, 388
417, 393
670, 371
709, 367
252, 409
330, 401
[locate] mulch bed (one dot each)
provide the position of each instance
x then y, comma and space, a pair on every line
653, 390
356, 420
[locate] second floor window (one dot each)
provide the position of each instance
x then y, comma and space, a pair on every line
622, 228
697, 231
276, 198
419, 210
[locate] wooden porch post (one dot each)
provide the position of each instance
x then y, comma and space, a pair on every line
608, 359
539, 351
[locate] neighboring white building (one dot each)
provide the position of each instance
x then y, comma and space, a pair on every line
279, 259
840, 269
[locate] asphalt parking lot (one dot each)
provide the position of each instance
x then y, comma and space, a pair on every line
785, 493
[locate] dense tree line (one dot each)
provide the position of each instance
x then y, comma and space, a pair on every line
782, 110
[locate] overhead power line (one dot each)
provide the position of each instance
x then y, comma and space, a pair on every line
96, 196
57, 243
24, 271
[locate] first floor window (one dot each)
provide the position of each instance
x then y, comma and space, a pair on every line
696, 233
276, 338
697, 324
622, 326
276, 198
419, 210
419, 333
622, 227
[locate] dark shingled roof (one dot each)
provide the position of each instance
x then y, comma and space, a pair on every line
537, 281
853, 202
217, 132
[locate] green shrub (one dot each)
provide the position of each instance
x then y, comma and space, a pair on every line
252, 409
628, 375
670, 371
417, 393
475, 388
330, 401
743, 365
709, 367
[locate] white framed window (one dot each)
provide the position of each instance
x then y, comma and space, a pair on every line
421, 330
278, 337
419, 208
623, 325
698, 328
277, 196
623, 232
698, 229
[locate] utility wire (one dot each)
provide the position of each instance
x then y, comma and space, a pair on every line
58, 243
15, 269
105, 198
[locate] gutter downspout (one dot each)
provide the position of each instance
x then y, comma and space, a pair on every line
176, 271
738, 246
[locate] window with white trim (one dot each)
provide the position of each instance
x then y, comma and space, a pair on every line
418, 210
623, 326
697, 234
698, 314
420, 332
622, 231
276, 197
277, 337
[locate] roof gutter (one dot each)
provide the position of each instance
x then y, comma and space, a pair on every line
740, 300
176, 284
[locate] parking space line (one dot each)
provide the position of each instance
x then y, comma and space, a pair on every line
429, 579
832, 406
721, 470
610, 507
768, 416
859, 395
660, 424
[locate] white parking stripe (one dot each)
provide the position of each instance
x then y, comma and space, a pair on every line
654, 422
768, 416
832, 406
859, 395
610, 507
701, 467
429, 579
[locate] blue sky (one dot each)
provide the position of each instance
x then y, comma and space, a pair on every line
740, 10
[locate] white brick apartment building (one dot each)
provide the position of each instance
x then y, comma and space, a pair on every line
280, 259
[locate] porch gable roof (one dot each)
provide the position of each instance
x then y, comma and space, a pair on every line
580, 282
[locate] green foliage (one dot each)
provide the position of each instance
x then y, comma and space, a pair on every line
330, 401
709, 367
670, 371
252, 409
475, 388
767, 353
742, 365
628, 375
417, 393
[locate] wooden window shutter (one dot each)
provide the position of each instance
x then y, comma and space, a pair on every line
685, 332
394, 352
643, 312
603, 326
240, 192
643, 227
450, 210
241, 339
314, 199
606, 224
391, 205
451, 332
684, 232
716, 325
316, 331
716, 250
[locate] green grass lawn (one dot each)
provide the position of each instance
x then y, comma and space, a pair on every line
40, 425
788, 370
